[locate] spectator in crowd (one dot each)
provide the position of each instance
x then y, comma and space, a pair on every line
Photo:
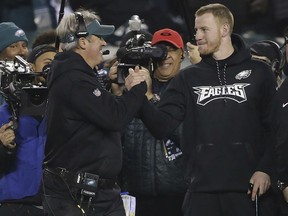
47, 37
281, 127
270, 52
13, 41
153, 169
83, 153
225, 105
41, 58
22, 146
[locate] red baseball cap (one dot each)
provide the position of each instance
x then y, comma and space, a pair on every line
168, 35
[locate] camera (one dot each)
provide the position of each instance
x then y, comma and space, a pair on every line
18, 87
135, 49
135, 23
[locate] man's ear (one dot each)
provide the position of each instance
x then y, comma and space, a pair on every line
225, 29
82, 43
183, 55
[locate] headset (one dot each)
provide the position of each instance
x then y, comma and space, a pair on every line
81, 30
277, 64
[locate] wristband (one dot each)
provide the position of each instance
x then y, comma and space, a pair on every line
155, 98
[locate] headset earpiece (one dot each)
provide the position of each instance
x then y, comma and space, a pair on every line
70, 37
81, 30
275, 66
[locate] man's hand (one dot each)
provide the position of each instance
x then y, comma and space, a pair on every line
134, 78
145, 72
285, 194
261, 183
7, 136
193, 53
116, 88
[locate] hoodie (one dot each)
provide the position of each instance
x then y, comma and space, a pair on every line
84, 120
225, 107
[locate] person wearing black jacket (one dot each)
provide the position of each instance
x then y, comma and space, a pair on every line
281, 125
83, 154
281, 128
153, 169
225, 105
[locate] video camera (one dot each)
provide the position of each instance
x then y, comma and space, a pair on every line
19, 90
137, 50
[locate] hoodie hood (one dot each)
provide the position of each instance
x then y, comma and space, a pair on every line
241, 53
65, 62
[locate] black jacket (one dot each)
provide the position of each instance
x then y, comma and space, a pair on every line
281, 126
84, 120
146, 169
226, 116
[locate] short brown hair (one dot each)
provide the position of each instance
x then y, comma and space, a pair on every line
221, 12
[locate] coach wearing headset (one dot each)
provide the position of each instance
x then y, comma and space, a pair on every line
83, 149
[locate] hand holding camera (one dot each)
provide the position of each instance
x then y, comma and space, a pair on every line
136, 49
7, 136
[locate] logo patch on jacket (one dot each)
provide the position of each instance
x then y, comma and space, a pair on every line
234, 92
97, 92
243, 74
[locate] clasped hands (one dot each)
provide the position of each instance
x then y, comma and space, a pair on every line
135, 77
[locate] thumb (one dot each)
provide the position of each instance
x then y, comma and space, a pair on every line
131, 71
5, 126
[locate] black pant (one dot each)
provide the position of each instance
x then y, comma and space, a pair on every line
228, 204
15, 209
159, 205
60, 199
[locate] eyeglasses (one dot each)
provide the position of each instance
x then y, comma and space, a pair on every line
285, 42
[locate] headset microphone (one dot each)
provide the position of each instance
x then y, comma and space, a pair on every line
105, 52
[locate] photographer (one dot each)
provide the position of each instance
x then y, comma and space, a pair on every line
128, 56
13, 41
41, 58
153, 169
83, 154
269, 52
24, 139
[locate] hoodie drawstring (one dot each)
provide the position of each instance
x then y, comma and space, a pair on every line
224, 83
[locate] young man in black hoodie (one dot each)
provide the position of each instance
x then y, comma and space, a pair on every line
83, 150
224, 103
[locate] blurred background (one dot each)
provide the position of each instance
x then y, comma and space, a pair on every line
254, 19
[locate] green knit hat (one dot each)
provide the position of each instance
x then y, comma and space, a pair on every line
9, 34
